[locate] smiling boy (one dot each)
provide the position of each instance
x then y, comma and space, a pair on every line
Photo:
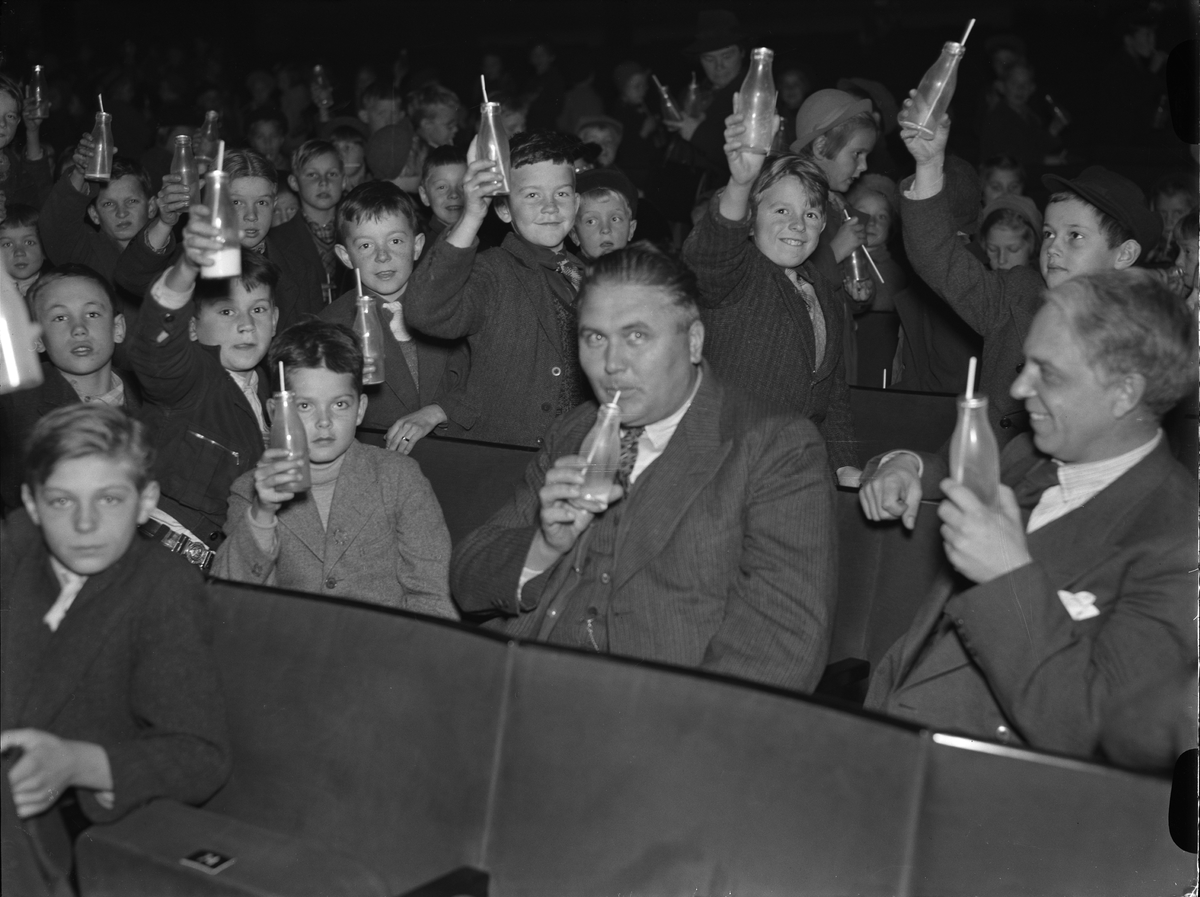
441, 187
368, 527
515, 304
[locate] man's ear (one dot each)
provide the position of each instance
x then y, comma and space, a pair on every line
424, 196
30, 504
147, 501
193, 334
93, 215
1127, 394
418, 246
294, 184
340, 251
1127, 254
696, 341
119, 328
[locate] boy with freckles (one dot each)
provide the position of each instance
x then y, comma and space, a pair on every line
514, 304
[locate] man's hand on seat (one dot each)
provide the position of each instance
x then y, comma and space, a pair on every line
893, 491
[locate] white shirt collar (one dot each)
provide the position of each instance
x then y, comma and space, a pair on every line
660, 432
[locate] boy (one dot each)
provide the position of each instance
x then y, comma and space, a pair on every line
605, 133
1173, 196
265, 134
119, 209
1097, 222
81, 327
252, 188
111, 693
773, 324
317, 179
607, 214
1001, 175
21, 246
352, 147
515, 304
379, 107
196, 350
379, 235
369, 527
441, 187
433, 112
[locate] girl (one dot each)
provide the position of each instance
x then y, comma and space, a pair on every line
1010, 230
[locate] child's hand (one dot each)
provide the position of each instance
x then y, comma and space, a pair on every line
201, 238
84, 150
860, 291
29, 113
850, 236
272, 476
744, 166
173, 199
479, 186
924, 150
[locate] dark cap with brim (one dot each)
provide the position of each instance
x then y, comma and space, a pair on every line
1114, 195
608, 179
716, 29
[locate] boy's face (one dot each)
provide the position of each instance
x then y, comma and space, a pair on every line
379, 113
89, 510
331, 409
879, 224
542, 205
602, 225
21, 250
1171, 207
1007, 247
241, 324
1001, 181
606, 140
79, 327
122, 209
319, 182
787, 226
384, 250
254, 202
1073, 244
442, 192
439, 128
266, 138
287, 204
354, 169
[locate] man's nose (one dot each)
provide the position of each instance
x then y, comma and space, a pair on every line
614, 357
1021, 388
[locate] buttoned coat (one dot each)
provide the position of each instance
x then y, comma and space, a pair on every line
725, 557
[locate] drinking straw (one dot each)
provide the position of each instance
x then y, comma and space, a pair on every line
100, 97
866, 251
220, 154
358, 280
970, 25
656, 81
596, 445
282, 388
885, 378
971, 378
483, 86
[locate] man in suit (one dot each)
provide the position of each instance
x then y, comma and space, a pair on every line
716, 547
1077, 584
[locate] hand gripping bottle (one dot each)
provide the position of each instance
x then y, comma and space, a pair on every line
221, 214
934, 92
757, 102
184, 165
39, 92
208, 137
974, 456
493, 142
370, 330
602, 450
287, 432
99, 167
669, 110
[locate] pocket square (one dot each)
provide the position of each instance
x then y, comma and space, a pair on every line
1080, 605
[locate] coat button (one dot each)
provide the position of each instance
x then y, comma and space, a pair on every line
593, 612
1002, 733
330, 583
541, 441
168, 317
1020, 366
212, 537
1005, 422
605, 578
556, 371
545, 406
553, 612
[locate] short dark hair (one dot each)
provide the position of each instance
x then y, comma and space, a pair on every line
812, 180
532, 147
347, 134
1001, 163
442, 155
319, 344
123, 166
20, 215
1130, 323
311, 149
421, 102
1115, 233
81, 431
371, 201
249, 164
644, 264
76, 271
257, 271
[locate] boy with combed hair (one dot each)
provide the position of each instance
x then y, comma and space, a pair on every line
441, 187
21, 246
607, 214
515, 304
316, 177
379, 236
773, 321
369, 526
111, 694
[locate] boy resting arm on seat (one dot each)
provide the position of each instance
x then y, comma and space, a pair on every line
369, 527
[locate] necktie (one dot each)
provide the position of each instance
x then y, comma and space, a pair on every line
70, 585
815, 315
1028, 492
399, 331
629, 450
571, 272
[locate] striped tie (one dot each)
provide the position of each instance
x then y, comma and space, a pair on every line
629, 451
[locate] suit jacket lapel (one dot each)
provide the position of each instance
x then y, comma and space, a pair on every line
669, 486
303, 520
346, 515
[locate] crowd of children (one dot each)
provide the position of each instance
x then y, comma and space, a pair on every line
380, 191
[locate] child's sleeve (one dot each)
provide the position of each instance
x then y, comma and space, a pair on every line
249, 552
167, 363
139, 265
449, 293
451, 393
422, 544
984, 299
30, 180
64, 232
719, 251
